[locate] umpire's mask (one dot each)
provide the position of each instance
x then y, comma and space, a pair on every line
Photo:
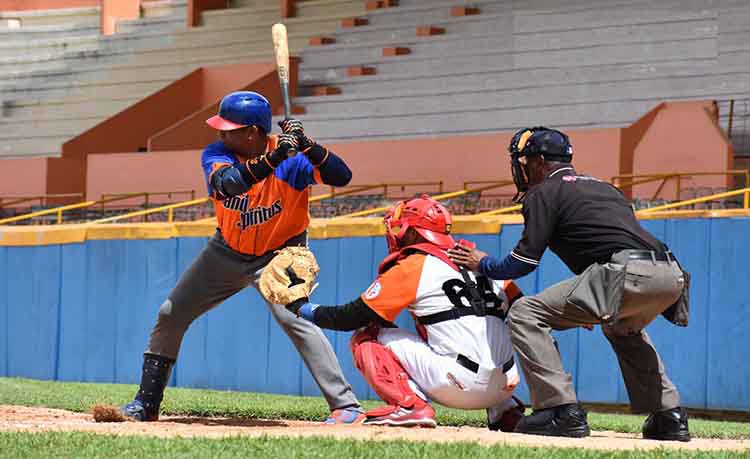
553, 145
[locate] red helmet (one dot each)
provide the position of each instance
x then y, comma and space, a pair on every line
428, 217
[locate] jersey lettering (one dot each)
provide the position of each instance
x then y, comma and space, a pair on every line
457, 291
259, 215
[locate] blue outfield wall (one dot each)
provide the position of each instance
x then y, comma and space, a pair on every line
83, 312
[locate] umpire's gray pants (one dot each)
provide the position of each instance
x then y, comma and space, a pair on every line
218, 273
647, 288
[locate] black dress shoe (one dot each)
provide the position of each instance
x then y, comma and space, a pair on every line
667, 425
559, 421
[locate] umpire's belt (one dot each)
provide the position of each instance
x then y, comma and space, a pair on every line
455, 313
650, 255
473, 367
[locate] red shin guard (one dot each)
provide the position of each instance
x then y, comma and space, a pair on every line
381, 369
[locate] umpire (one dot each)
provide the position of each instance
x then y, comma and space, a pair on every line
624, 279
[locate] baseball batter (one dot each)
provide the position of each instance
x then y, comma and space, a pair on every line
462, 355
260, 194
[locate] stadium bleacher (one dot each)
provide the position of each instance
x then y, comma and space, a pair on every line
516, 63
78, 81
456, 67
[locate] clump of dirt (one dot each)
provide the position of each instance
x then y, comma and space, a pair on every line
107, 413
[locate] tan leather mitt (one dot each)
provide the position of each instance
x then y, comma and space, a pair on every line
289, 276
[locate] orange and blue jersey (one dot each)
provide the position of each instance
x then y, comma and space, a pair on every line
271, 211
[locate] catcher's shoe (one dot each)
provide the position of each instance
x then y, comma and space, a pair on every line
420, 415
135, 411
509, 419
348, 415
567, 420
667, 425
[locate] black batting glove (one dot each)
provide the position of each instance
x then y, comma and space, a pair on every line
286, 146
294, 126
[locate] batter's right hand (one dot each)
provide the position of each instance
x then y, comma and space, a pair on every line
294, 126
287, 145
290, 125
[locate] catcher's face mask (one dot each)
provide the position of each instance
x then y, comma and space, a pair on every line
428, 217
519, 162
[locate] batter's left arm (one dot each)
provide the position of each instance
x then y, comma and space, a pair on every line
333, 170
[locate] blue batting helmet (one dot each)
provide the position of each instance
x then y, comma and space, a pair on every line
240, 109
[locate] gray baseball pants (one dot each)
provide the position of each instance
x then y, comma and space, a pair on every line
633, 293
218, 273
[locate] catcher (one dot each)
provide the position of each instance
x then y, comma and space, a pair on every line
260, 194
462, 355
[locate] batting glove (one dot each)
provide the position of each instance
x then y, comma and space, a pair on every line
288, 143
294, 126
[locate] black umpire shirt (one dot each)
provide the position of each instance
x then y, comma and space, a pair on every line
582, 219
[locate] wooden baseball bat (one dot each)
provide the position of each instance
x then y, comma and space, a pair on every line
281, 52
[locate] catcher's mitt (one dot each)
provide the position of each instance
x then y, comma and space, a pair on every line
289, 276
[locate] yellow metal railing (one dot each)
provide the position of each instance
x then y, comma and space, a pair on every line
106, 199
56, 210
7, 201
386, 187
504, 210
169, 208
437, 197
678, 177
745, 192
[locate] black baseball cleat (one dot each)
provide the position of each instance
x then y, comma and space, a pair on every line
154, 378
560, 421
671, 425
135, 411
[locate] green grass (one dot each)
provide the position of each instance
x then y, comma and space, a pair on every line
178, 401
56, 444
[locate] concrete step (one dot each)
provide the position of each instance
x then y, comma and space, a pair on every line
254, 16
495, 48
735, 41
26, 37
176, 20
501, 24
419, 62
468, 121
24, 110
433, 100
674, 31
42, 129
499, 77
116, 55
170, 67
158, 8
47, 146
241, 17
87, 15
101, 90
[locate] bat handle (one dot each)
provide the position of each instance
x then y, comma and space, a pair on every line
285, 98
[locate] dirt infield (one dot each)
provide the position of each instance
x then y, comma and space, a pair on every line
25, 419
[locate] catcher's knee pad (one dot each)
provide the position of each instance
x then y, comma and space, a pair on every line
382, 370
